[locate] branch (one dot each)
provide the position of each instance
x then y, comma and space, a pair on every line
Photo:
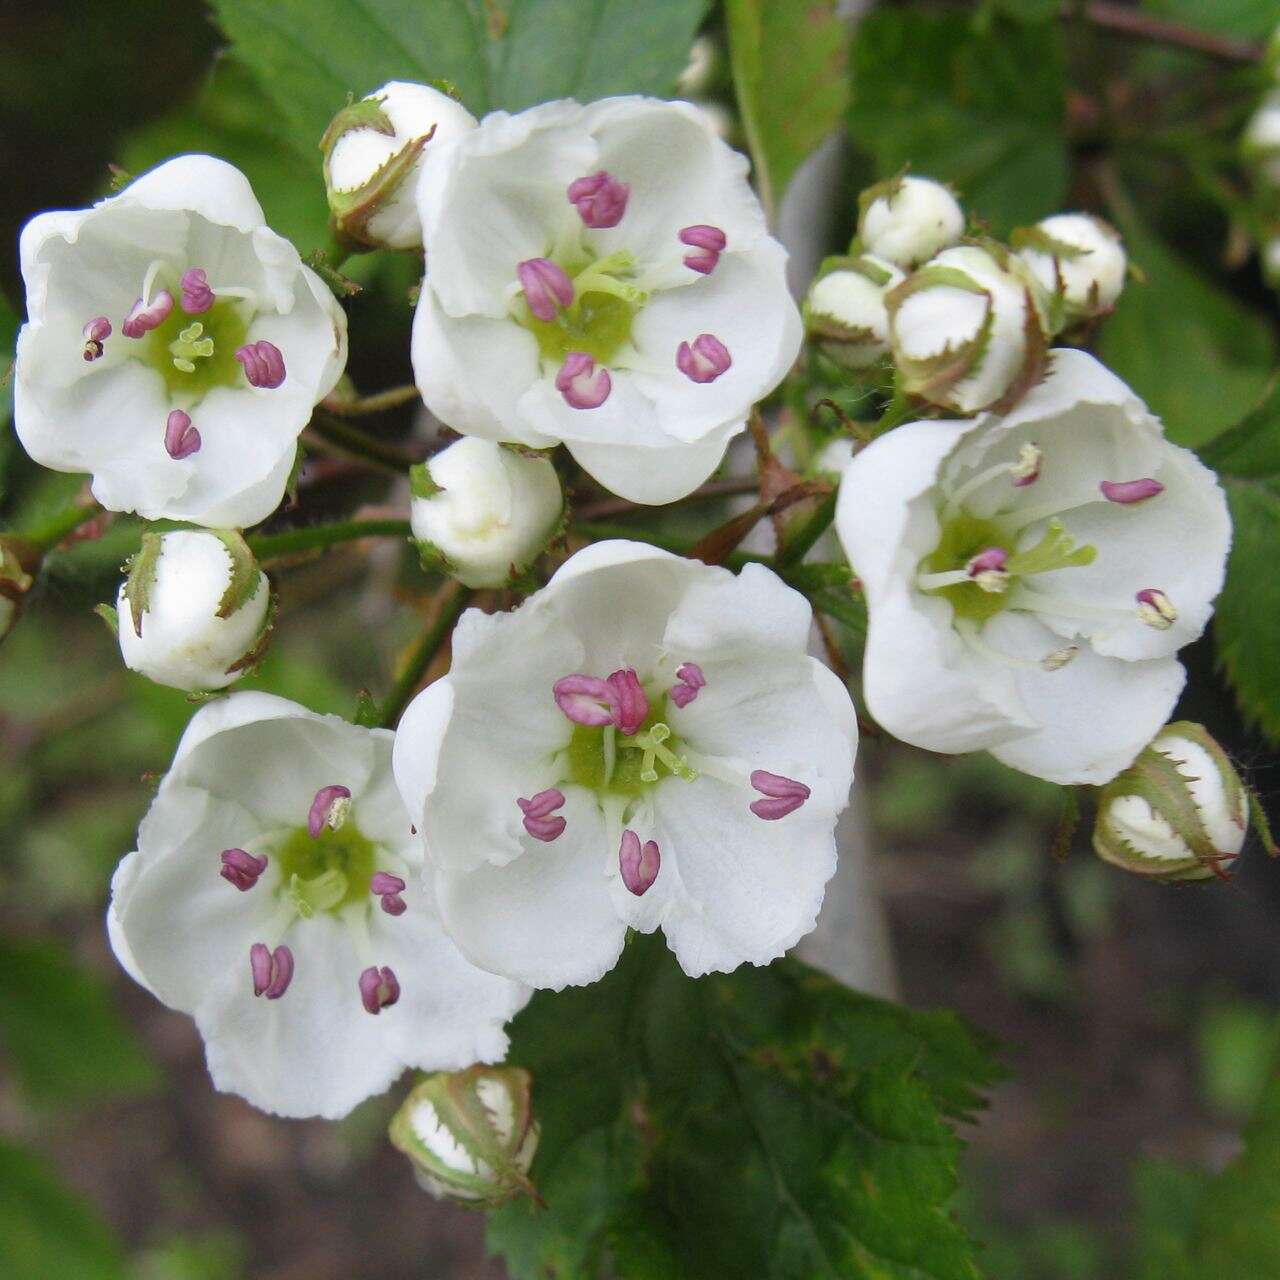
387, 457
1145, 26
448, 611
362, 406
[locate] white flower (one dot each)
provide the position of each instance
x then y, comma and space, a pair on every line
1261, 144
203, 606
486, 509
968, 329
643, 744
373, 157
907, 220
175, 347
845, 309
601, 276
276, 897
1030, 578
1179, 812
470, 1135
1078, 256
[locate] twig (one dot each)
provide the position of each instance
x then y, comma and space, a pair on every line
380, 402
272, 546
1142, 25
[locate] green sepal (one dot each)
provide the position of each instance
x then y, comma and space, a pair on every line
1038, 239
142, 576
885, 189
110, 616
366, 113
421, 483
432, 559
1068, 822
368, 714
1261, 823
295, 475
255, 655
246, 577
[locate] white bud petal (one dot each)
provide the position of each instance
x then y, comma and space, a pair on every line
357, 154
495, 510
184, 644
845, 309
908, 225
1261, 143
1091, 282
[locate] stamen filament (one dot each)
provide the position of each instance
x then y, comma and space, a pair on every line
956, 500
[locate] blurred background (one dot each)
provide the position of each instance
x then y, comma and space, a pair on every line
1137, 1020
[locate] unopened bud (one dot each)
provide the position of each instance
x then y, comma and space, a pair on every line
195, 610
372, 156
1179, 812
969, 330
1077, 258
1260, 145
470, 1135
908, 219
485, 509
845, 311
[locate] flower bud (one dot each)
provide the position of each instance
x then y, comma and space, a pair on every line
1179, 812
845, 309
907, 220
485, 510
1271, 260
1261, 143
470, 1135
15, 582
1077, 258
372, 155
195, 610
969, 329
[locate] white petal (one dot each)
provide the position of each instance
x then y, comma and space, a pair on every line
680, 173
125, 872
473, 371
1096, 713
751, 888
545, 918
657, 474
415, 756
494, 197
200, 184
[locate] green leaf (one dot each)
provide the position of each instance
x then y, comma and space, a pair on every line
1198, 357
1252, 447
1247, 618
60, 1031
46, 1230
310, 54
789, 69
1192, 1227
980, 109
1252, 19
231, 117
766, 1123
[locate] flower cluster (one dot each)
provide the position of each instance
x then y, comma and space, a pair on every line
644, 742
967, 328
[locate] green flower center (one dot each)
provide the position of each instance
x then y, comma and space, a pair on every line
326, 872
945, 571
606, 761
194, 354
599, 320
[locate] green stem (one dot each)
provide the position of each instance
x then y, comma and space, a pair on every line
419, 660
799, 544
362, 445
381, 401
271, 546
48, 533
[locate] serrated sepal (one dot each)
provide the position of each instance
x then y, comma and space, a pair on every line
422, 484
142, 577
1155, 779
491, 1152
250, 660
246, 577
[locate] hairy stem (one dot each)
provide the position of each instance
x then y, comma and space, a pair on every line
380, 402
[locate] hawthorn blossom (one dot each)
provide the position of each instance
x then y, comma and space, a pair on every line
202, 610
485, 510
645, 743
276, 896
601, 276
1078, 257
845, 309
174, 347
1030, 578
